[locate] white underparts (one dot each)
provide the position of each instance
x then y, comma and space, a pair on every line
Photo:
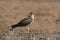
32, 16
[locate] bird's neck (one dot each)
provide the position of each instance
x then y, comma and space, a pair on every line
32, 16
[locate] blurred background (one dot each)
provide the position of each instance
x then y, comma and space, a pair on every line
47, 14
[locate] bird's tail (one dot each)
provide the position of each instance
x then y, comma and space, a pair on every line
12, 27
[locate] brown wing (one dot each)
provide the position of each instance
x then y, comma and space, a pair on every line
25, 21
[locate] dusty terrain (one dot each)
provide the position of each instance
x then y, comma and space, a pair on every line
47, 14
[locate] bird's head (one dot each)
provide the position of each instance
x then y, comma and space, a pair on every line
31, 14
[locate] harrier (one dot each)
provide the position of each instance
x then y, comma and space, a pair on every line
24, 22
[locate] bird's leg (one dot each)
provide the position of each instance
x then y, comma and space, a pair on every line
28, 29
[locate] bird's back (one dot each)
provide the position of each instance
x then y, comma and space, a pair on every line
25, 21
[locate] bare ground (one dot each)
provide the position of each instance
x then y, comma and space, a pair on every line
47, 14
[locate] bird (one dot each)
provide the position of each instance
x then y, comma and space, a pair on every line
24, 22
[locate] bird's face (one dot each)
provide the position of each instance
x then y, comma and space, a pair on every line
31, 14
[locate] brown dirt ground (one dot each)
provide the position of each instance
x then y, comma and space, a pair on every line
46, 14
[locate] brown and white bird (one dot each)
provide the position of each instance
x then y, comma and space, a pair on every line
24, 22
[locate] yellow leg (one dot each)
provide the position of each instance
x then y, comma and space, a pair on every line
28, 29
